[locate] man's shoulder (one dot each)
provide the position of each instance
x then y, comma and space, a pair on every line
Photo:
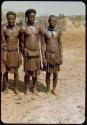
23, 27
46, 30
40, 29
4, 28
17, 27
37, 25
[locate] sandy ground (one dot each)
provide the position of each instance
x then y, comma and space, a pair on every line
69, 104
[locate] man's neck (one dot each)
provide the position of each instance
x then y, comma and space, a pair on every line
30, 24
10, 26
51, 28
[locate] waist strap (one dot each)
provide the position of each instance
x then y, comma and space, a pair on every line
12, 50
52, 52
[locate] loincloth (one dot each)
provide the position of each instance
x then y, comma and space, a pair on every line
32, 65
13, 59
52, 58
51, 68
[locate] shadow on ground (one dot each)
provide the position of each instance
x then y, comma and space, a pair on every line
40, 86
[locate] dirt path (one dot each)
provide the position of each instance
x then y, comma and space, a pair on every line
67, 107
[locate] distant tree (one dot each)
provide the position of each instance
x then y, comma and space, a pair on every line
21, 16
3, 18
61, 16
42, 20
21, 23
61, 19
78, 19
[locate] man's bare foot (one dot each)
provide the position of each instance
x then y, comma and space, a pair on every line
26, 92
53, 92
16, 91
5, 91
48, 91
3, 88
35, 91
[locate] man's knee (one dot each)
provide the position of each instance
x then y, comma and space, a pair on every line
26, 73
55, 75
34, 78
5, 74
48, 75
16, 74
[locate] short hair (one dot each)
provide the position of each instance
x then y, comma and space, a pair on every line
51, 16
30, 11
11, 13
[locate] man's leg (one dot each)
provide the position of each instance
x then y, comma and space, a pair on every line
5, 82
1, 75
26, 82
55, 76
34, 84
48, 81
16, 80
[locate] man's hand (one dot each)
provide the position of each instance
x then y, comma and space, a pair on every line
44, 61
5, 48
22, 51
4, 56
61, 61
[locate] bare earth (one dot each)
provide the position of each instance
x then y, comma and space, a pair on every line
69, 104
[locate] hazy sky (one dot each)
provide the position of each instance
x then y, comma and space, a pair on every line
44, 7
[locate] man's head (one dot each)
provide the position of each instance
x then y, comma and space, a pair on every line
11, 17
30, 14
52, 21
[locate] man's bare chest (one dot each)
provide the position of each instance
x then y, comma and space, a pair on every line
11, 33
51, 35
31, 30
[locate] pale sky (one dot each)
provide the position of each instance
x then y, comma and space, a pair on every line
45, 7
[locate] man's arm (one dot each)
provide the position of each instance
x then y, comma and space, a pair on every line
43, 46
21, 39
4, 47
60, 47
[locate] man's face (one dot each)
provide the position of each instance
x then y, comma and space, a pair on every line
31, 17
52, 22
11, 20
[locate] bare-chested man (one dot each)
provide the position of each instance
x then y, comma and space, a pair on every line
30, 36
13, 58
52, 58
3, 53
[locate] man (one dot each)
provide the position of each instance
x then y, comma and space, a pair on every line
11, 34
3, 54
31, 34
52, 57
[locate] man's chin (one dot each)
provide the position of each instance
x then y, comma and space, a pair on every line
52, 27
32, 23
11, 25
